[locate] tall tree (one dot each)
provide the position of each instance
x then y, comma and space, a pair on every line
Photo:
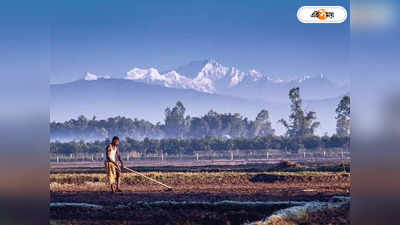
198, 128
214, 122
301, 123
238, 125
175, 123
343, 117
262, 125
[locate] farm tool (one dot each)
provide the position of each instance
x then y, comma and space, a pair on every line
149, 178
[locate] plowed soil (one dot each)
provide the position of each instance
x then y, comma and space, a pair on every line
129, 207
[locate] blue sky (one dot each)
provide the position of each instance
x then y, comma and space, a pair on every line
111, 37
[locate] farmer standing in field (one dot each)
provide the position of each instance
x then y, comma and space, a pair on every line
112, 168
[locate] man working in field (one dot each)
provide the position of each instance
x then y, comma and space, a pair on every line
112, 168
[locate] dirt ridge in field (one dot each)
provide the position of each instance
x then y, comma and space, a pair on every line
180, 178
282, 166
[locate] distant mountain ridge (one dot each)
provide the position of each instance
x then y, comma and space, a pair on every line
209, 76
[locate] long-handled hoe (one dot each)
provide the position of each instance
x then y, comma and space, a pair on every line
149, 178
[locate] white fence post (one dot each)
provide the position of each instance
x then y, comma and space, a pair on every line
231, 156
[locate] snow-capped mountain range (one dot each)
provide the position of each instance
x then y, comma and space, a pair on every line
209, 76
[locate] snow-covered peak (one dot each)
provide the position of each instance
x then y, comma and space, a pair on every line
255, 74
146, 74
91, 76
174, 75
209, 71
174, 79
170, 79
213, 70
236, 77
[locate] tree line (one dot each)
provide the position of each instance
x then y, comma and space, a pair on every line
226, 127
176, 125
179, 146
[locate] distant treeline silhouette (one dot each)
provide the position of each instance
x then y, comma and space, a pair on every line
176, 125
189, 146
